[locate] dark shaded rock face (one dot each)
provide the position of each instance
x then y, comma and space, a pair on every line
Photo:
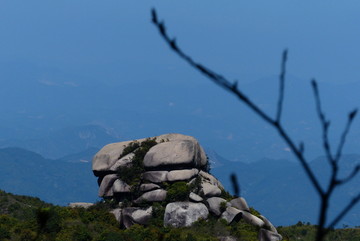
171, 170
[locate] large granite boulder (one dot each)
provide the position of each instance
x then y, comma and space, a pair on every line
123, 161
134, 215
181, 153
148, 187
268, 224
184, 214
231, 214
107, 157
120, 187
240, 204
106, 186
117, 212
155, 176
105, 160
195, 198
210, 190
215, 205
182, 175
157, 195
252, 219
208, 178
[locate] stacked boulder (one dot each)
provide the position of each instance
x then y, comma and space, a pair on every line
171, 159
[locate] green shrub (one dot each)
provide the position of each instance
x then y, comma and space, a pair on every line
158, 214
254, 212
132, 174
130, 148
244, 231
178, 191
111, 236
195, 185
223, 206
226, 195
4, 233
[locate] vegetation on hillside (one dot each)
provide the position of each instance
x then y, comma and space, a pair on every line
28, 218
307, 232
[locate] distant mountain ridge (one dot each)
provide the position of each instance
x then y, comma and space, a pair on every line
55, 181
277, 188
67, 141
281, 190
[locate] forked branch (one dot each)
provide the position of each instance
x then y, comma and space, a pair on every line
298, 151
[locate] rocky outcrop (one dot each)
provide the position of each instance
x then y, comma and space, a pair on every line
171, 170
231, 214
184, 214
215, 205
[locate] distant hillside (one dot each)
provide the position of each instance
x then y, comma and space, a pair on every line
281, 191
59, 182
65, 142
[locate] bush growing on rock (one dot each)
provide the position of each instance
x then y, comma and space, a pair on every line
132, 174
178, 191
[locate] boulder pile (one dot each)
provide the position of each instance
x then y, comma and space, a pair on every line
172, 170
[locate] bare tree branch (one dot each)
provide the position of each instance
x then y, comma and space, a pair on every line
325, 124
351, 117
354, 172
347, 208
281, 86
301, 147
235, 184
232, 87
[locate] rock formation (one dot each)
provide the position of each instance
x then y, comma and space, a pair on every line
172, 170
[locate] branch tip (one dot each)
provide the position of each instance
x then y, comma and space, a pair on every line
285, 54
314, 85
154, 16
352, 114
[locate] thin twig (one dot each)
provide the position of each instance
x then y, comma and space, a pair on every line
351, 117
281, 86
341, 215
325, 124
354, 172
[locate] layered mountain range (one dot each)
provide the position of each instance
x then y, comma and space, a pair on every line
269, 185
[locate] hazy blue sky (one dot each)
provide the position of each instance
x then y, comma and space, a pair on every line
75, 62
